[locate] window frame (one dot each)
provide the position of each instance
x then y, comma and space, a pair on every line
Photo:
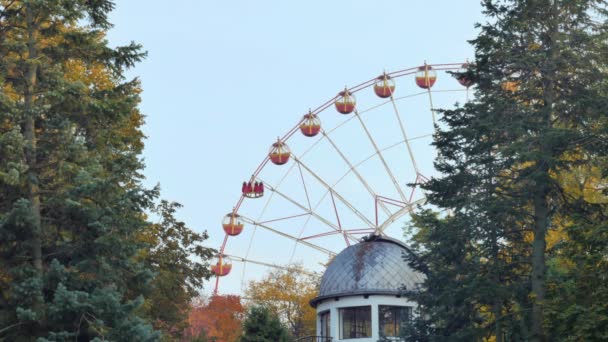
353, 310
327, 326
396, 322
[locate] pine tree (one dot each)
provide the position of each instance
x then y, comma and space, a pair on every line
539, 110
180, 264
261, 326
71, 201
576, 286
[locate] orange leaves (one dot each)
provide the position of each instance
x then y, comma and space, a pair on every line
219, 317
92, 75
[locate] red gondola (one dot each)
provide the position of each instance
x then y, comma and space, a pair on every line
384, 86
221, 268
426, 77
346, 102
462, 78
279, 153
232, 224
311, 125
254, 190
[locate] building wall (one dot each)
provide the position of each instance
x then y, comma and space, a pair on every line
374, 301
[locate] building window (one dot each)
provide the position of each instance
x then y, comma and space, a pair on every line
324, 317
356, 322
392, 319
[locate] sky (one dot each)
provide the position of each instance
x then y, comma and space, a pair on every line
223, 79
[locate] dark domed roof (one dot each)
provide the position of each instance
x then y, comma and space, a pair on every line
370, 267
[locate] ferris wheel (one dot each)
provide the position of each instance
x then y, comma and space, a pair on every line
348, 168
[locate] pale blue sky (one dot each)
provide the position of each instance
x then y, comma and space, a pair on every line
224, 78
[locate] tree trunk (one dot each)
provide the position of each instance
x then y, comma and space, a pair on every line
496, 265
542, 217
497, 306
541, 212
497, 311
30, 150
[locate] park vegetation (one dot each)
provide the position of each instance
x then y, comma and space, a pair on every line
280, 299
517, 250
80, 256
514, 247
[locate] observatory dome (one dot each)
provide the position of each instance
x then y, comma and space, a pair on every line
370, 267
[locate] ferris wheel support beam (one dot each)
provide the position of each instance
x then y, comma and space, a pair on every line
340, 197
388, 170
288, 236
354, 170
308, 211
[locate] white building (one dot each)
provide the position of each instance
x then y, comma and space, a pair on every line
360, 297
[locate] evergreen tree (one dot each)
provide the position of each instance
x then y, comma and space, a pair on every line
539, 111
576, 286
76, 251
262, 326
180, 264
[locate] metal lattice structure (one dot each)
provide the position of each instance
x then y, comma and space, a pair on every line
346, 169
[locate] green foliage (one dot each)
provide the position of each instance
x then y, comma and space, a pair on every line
538, 113
287, 293
262, 326
578, 291
180, 264
77, 254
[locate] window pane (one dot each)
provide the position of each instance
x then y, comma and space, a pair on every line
392, 319
325, 324
356, 322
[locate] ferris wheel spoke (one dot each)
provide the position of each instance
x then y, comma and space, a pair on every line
405, 139
432, 108
304, 185
250, 244
285, 218
262, 263
333, 202
388, 170
308, 211
351, 231
320, 235
288, 236
382, 199
354, 170
300, 233
405, 210
261, 213
340, 197
313, 218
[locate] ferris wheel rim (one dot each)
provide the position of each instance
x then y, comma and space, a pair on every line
377, 228
353, 90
